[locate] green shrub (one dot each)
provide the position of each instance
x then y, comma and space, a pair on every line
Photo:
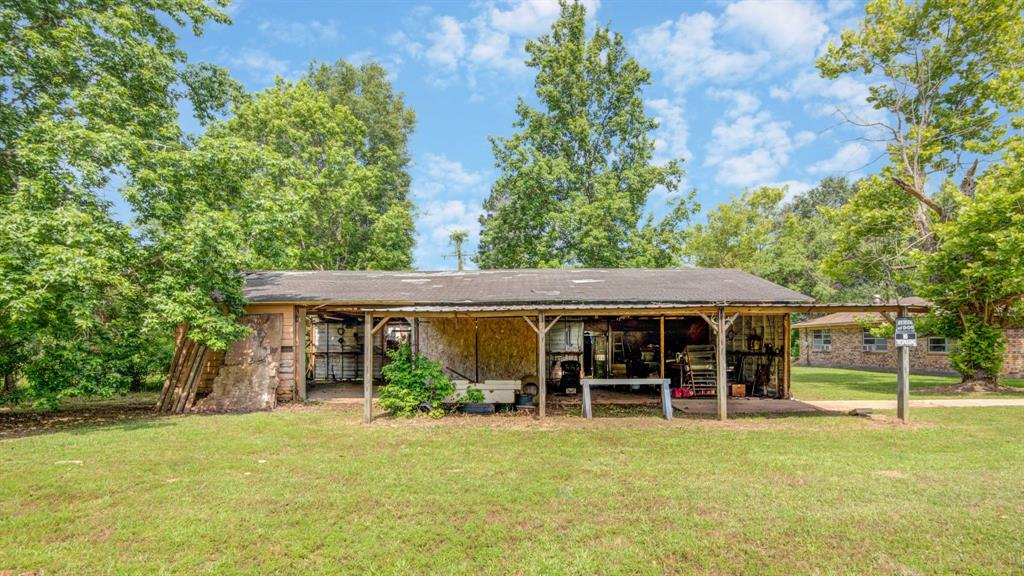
412, 380
472, 396
978, 353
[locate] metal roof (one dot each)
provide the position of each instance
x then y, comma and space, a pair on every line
488, 288
913, 303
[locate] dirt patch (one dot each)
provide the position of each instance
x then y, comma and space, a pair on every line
19, 422
970, 387
892, 474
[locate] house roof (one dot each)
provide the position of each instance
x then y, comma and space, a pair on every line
840, 319
575, 286
856, 318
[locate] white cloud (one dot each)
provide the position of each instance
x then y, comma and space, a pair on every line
448, 197
530, 17
685, 51
851, 157
258, 63
793, 188
406, 44
436, 222
492, 49
670, 139
743, 102
844, 96
790, 28
748, 169
447, 43
493, 40
300, 33
751, 149
443, 175
750, 39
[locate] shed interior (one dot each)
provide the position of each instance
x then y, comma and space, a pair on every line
471, 349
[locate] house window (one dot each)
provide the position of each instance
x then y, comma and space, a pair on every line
874, 343
937, 345
821, 340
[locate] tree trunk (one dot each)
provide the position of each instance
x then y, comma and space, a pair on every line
8, 384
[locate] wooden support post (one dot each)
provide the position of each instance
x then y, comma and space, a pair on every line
903, 379
661, 348
368, 368
720, 370
588, 412
787, 356
301, 330
542, 366
415, 336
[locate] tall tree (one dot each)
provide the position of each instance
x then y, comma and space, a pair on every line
976, 275
366, 92
944, 71
88, 90
576, 178
293, 180
949, 76
873, 239
457, 238
784, 242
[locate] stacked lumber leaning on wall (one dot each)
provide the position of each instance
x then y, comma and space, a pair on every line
187, 371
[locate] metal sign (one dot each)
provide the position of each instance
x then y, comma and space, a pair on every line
906, 335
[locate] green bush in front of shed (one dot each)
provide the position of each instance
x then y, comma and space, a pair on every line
412, 380
472, 396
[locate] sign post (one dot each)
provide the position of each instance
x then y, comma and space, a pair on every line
906, 338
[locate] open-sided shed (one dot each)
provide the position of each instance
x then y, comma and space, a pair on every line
700, 329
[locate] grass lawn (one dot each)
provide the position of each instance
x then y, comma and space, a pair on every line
810, 383
309, 490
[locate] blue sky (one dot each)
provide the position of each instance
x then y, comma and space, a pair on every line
734, 86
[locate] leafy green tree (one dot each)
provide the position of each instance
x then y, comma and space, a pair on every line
366, 92
738, 233
874, 239
576, 178
288, 182
88, 91
976, 275
348, 208
831, 193
784, 242
945, 71
948, 76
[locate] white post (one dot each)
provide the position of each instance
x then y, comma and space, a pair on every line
368, 368
666, 398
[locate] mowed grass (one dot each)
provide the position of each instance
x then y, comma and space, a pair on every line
811, 383
313, 490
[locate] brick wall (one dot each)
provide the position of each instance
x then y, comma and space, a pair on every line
1013, 364
847, 352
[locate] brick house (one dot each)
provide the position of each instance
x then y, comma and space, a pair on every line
840, 341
